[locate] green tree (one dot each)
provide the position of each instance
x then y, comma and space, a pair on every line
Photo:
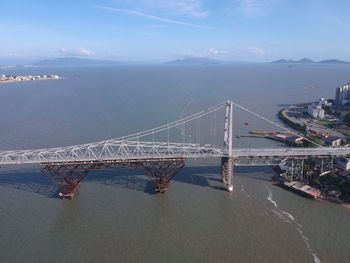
347, 119
345, 187
310, 144
316, 182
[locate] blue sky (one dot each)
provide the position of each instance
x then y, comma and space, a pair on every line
161, 30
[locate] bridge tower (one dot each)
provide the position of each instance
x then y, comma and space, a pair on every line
227, 166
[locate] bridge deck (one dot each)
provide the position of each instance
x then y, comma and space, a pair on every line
291, 152
128, 151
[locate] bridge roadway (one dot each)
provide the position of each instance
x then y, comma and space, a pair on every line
291, 152
138, 150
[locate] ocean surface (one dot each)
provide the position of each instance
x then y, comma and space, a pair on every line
116, 217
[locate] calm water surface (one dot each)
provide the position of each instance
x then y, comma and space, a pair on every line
116, 217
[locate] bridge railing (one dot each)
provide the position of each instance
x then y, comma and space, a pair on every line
116, 150
291, 152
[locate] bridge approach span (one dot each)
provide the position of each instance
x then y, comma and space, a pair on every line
291, 152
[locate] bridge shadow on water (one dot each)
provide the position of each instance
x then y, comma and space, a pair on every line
136, 180
32, 180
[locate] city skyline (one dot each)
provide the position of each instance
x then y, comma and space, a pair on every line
155, 30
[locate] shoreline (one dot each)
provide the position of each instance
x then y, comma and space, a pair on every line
346, 205
276, 181
12, 81
21, 78
302, 128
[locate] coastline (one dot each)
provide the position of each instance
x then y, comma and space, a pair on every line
346, 205
303, 129
12, 79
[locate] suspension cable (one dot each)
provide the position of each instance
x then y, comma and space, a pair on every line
274, 123
173, 124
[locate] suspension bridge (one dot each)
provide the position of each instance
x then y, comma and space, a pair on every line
154, 152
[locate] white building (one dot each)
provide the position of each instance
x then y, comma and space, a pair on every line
324, 103
315, 111
332, 141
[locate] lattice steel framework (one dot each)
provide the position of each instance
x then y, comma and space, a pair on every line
295, 168
160, 160
324, 164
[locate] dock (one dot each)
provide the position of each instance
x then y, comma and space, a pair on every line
285, 137
303, 189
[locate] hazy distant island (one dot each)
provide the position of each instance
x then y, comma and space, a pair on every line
194, 61
309, 61
80, 61
75, 61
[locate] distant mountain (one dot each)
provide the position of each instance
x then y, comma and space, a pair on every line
306, 60
280, 61
74, 61
333, 61
303, 60
194, 61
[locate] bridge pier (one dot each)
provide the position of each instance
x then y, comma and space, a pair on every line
67, 177
161, 172
324, 164
295, 168
227, 169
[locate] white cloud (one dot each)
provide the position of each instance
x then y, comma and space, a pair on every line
193, 8
249, 53
256, 51
78, 52
152, 17
205, 53
212, 52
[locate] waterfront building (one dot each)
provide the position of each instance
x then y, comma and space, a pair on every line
342, 94
315, 111
333, 141
324, 103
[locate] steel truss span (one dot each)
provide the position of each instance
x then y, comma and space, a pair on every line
130, 150
109, 151
160, 161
